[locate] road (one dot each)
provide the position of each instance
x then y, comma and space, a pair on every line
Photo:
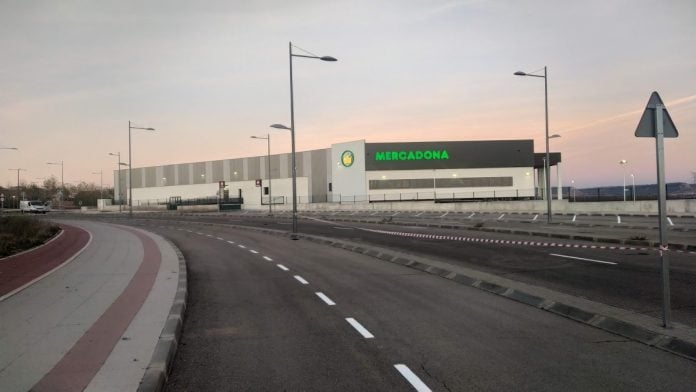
254, 325
626, 278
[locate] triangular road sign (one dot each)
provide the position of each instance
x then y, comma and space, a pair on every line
646, 126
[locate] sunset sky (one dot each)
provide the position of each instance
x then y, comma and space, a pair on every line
209, 74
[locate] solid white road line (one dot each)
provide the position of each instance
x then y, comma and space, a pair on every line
670, 221
325, 299
300, 279
253, 251
230, 242
241, 246
412, 378
358, 327
284, 268
582, 258
267, 258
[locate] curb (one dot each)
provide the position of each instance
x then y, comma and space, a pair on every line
157, 371
675, 345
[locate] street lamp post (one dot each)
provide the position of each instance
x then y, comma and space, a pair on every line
62, 183
633, 183
546, 164
18, 170
623, 163
268, 166
130, 167
292, 128
118, 168
101, 183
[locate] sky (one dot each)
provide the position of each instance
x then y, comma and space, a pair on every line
210, 74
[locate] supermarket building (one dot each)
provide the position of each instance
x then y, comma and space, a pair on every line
354, 171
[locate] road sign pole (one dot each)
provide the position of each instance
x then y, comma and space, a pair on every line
661, 206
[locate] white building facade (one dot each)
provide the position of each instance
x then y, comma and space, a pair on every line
354, 171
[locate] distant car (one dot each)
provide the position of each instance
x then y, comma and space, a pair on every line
33, 207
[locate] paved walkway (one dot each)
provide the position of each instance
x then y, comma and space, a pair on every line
93, 322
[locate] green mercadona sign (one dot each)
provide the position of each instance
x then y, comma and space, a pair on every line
417, 155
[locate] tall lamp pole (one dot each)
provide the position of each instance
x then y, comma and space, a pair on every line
101, 183
546, 164
633, 182
18, 170
62, 182
268, 166
292, 127
623, 163
118, 168
130, 166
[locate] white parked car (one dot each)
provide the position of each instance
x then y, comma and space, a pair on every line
33, 206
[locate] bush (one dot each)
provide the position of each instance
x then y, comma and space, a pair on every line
18, 233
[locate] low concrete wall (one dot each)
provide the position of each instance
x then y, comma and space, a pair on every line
674, 207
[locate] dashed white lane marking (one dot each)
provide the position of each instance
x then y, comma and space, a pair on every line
582, 258
374, 213
358, 327
199, 233
670, 221
221, 239
412, 378
618, 219
443, 215
208, 235
535, 217
501, 216
419, 214
325, 299
230, 242
253, 251
472, 214
241, 246
284, 268
267, 258
300, 279
574, 217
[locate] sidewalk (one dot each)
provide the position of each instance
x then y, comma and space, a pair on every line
95, 322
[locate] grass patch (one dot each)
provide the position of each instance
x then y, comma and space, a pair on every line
18, 233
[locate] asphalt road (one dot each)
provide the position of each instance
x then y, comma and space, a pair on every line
252, 325
628, 278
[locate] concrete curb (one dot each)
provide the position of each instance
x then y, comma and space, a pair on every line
160, 364
673, 344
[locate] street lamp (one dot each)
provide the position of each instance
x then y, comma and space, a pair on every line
118, 169
546, 163
572, 185
101, 183
633, 182
623, 163
130, 166
62, 183
270, 193
292, 127
18, 170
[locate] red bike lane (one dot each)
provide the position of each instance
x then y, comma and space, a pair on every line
18, 270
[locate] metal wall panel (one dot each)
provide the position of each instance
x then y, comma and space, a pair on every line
199, 173
218, 172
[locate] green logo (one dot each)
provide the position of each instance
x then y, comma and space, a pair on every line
347, 158
428, 155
